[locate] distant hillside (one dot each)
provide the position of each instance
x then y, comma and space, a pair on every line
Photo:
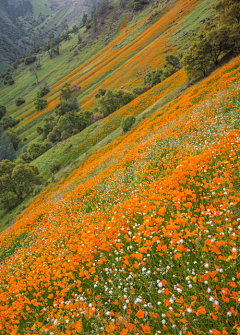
19, 19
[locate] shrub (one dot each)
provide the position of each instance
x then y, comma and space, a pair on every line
140, 90
11, 82
54, 167
153, 78
29, 60
127, 122
3, 111
37, 149
40, 104
42, 91
19, 101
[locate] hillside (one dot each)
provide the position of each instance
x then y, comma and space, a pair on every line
20, 19
133, 231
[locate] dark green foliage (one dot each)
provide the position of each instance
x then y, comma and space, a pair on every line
10, 82
113, 100
197, 58
127, 122
19, 101
66, 107
42, 91
171, 65
29, 60
8, 122
17, 180
101, 93
3, 111
216, 38
6, 147
140, 90
153, 78
14, 138
37, 149
40, 104
55, 135
84, 19
74, 29
14, 66
65, 93
48, 125
138, 4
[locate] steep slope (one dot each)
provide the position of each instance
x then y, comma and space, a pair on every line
20, 18
144, 236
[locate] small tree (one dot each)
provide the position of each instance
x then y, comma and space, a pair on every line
19, 101
40, 104
8, 122
6, 147
65, 93
42, 91
197, 58
14, 138
3, 111
84, 19
127, 122
37, 149
153, 78
16, 182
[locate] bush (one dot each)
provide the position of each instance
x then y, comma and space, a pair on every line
112, 100
17, 180
153, 78
19, 101
10, 82
14, 66
42, 91
29, 60
127, 122
37, 149
3, 111
40, 104
140, 90
8, 122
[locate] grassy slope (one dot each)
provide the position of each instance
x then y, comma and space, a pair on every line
138, 42
142, 215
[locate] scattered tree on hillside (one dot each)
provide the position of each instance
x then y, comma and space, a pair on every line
66, 31
43, 91
112, 100
197, 58
40, 104
127, 122
17, 180
19, 101
8, 122
3, 111
14, 138
84, 19
65, 93
37, 149
6, 147
153, 78
138, 4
